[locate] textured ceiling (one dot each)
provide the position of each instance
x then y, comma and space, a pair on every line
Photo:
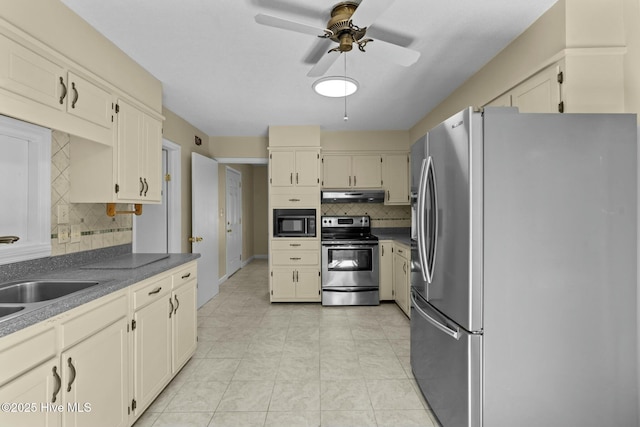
229, 76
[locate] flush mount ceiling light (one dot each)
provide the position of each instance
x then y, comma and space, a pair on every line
335, 86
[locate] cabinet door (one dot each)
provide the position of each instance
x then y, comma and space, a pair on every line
400, 282
151, 160
129, 152
336, 172
308, 284
307, 168
283, 285
396, 179
282, 164
538, 94
367, 171
95, 374
152, 351
88, 101
28, 74
37, 389
386, 271
184, 324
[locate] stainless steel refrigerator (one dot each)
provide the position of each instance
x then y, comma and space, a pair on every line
523, 278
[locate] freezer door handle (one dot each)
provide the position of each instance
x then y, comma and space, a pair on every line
430, 257
421, 220
454, 333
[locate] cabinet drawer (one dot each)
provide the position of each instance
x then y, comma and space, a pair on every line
151, 292
298, 200
95, 319
278, 245
402, 251
23, 351
296, 257
185, 275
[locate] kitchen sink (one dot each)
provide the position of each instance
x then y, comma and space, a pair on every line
5, 311
26, 292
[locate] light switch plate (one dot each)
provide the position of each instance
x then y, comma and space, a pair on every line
63, 234
75, 233
63, 214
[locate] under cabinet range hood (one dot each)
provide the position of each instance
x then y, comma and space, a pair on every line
363, 196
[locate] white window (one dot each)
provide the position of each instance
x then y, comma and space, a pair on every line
25, 190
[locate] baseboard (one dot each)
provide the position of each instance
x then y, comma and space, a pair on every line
246, 261
222, 279
261, 256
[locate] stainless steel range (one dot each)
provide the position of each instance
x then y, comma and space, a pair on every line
350, 274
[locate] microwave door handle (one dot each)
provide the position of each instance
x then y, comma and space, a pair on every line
421, 220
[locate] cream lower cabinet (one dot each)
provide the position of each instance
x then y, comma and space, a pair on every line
84, 378
386, 270
164, 331
401, 274
295, 270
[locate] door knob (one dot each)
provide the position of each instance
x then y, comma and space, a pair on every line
195, 239
229, 231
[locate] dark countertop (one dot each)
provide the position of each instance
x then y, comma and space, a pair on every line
401, 235
113, 279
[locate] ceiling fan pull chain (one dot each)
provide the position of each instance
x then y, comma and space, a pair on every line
346, 117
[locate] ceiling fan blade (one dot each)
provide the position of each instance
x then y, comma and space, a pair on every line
398, 54
285, 24
368, 11
323, 65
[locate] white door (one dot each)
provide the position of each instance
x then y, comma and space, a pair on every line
204, 224
151, 228
234, 220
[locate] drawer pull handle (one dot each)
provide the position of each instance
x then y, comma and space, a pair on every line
75, 95
294, 244
58, 383
171, 307
177, 304
295, 258
73, 374
64, 91
294, 200
156, 290
186, 275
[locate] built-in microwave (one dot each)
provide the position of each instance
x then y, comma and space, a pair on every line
294, 223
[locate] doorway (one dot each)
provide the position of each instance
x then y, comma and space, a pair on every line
157, 230
233, 220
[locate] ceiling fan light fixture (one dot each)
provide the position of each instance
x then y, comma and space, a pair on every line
335, 86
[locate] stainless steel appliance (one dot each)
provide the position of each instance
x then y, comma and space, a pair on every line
362, 196
294, 223
523, 280
350, 273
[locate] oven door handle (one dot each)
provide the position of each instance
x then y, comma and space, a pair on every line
352, 289
350, 246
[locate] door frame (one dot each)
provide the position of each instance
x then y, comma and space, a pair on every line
174, 197
227, 262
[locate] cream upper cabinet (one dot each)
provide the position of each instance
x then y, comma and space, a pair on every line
352, 171
538, 94
294, 167
139, 155
386, 270
39, 88
396, 179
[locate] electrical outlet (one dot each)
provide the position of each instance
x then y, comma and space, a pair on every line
63, 214
75, 233
63, 234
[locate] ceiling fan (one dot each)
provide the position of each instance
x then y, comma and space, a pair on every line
342, 29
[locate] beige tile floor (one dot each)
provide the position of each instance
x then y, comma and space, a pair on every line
294, 364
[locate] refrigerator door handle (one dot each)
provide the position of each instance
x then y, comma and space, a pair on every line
431, 260
454, 333
421, 221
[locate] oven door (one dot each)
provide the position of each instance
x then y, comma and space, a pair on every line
352, 265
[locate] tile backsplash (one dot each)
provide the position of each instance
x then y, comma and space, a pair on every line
96, 228
382, 216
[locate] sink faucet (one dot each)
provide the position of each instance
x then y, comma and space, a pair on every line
9, 239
